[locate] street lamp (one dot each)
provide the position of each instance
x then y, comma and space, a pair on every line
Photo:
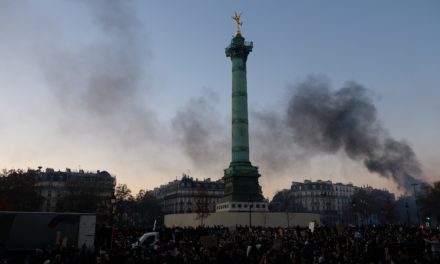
363, 211
407, 213
250, 212
286, 208
415, 202
353, 204
113, 208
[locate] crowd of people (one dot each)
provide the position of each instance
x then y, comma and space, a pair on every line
368, 244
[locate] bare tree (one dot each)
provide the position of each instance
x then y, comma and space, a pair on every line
201, 205
428, 199
18, 191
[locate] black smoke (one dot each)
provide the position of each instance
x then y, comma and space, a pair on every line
103, 84
272, 146
325, 121
314, 120
200, 132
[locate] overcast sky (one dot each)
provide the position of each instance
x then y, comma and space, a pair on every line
142, 89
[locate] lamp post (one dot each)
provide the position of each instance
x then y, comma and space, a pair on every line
363, 211
353, 204
415, 202
286, 208
407, 213
112, 215
250, 212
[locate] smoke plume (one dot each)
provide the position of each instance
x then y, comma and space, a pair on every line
315, 120
104, 82
272, 147
325, 121
200, 133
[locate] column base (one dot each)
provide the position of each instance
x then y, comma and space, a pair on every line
241, 183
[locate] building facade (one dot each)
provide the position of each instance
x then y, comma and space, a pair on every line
322, 197
189, 195
335, 202
57, 187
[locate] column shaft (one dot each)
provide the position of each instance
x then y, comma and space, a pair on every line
240, 130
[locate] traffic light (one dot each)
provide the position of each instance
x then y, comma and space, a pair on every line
427, 218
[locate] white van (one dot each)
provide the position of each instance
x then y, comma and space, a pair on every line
149, 238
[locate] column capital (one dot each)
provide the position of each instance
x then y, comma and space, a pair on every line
239, 47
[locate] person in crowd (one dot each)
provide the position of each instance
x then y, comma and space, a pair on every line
368, 244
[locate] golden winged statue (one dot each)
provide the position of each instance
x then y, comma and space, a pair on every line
237, 17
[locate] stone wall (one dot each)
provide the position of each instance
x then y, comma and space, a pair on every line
231, 219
